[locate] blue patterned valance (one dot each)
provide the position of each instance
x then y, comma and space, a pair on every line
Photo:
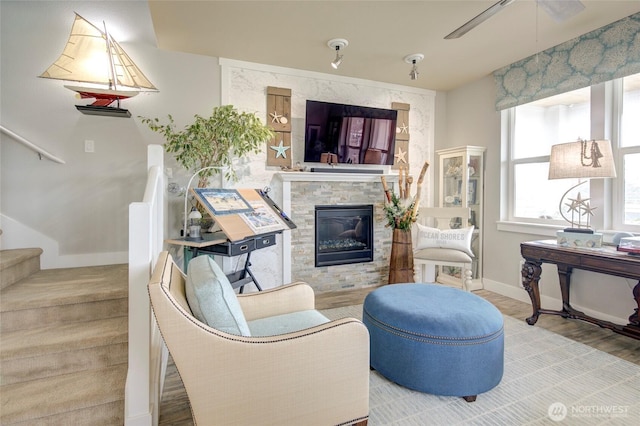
604, 54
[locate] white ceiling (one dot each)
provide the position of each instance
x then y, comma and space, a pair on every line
294, 34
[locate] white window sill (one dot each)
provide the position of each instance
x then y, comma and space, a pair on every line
542, 229
529, 228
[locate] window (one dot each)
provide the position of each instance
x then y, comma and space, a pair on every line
533, 128
629, 170
538, 126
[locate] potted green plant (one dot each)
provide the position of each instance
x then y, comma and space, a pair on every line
213, 141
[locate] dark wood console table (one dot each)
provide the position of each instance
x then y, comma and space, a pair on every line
606, 261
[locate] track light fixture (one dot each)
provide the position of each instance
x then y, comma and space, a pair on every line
414, 71
337, 44
338, 60
413, 60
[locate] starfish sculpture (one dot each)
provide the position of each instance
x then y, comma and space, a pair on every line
281, 150
275, 117
580, 206
400, 156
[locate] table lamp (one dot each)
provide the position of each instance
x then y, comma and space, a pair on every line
582, 160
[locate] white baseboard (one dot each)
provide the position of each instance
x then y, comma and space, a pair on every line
15, 235
518, 293
92, 259
547, 302
476, 284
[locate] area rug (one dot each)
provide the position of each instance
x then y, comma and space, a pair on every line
548, 379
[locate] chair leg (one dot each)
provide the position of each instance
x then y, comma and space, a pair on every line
428, 273
466, 278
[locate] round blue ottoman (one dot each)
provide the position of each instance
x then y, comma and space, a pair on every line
435, 339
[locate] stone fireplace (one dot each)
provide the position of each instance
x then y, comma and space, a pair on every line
301, 193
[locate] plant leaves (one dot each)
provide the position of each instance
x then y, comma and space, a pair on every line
213, 141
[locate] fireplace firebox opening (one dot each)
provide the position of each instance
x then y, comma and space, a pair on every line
344, 234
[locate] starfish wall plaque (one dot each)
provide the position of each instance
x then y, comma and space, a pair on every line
279, 112
401, 156
281, 150
401, 153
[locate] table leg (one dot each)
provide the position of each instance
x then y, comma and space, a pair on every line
531, 271
255, 282
634, 319
564, 275
187, 254
246, 271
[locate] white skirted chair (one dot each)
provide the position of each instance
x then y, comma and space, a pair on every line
437, 244
264, 358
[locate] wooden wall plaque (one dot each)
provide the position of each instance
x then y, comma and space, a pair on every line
402, 129
401, 155
279, 150
279, 119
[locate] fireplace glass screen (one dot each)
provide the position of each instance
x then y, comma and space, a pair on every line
344, 234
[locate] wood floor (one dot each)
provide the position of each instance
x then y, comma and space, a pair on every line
174, 408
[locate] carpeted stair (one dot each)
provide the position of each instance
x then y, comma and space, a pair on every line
63, 342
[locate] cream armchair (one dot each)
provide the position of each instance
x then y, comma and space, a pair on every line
312, 376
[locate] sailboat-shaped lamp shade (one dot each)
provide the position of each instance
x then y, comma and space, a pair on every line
102, 69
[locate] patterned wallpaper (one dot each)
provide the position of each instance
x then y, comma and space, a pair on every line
610, 52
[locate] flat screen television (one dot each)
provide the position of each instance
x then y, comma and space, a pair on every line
349, 134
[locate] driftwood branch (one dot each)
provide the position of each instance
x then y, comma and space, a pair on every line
407, 188
393, 204
385, 188
419, 188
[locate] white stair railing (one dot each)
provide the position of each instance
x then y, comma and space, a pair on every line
40, 151
147, 353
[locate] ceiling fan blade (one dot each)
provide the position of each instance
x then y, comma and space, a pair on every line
474, 22
560, 11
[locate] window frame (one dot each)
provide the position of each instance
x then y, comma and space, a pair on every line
606, 104
617, 196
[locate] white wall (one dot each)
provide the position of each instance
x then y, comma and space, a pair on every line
245, 84
80, 208
471, 119
83, 204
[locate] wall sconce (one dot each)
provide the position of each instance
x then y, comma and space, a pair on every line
582, 160
337, 44
413, 60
